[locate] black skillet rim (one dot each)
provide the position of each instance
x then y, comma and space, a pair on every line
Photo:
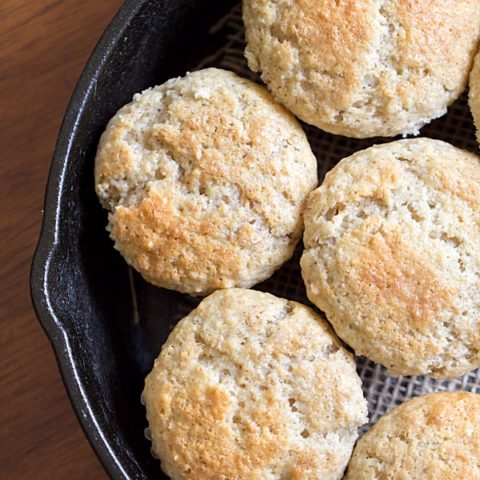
48, 241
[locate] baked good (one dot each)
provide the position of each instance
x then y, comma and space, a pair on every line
392, 255
363, 68
251, 386
205, 178
436, 436
474, 94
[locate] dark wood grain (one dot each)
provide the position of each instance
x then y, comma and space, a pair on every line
43, 46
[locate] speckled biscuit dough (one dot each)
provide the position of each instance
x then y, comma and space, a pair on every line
392, 256
363, 68
474, 94
253, 387
432, 437
205, 178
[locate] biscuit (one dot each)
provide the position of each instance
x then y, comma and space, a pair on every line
251, 386
432, 437
205, 178
363, 68
474, 94
392, 256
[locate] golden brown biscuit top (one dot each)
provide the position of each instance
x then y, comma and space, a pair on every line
205, 177
392, 255
432, 437
252, 386
363, 68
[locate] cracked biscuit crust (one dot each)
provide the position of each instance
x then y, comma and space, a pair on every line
392, 256
363, 68
251, 386
432, 437
205, 178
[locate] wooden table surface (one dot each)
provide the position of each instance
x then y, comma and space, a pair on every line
43, 46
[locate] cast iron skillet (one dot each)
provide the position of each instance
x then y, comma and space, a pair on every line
105, 323
81, 287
